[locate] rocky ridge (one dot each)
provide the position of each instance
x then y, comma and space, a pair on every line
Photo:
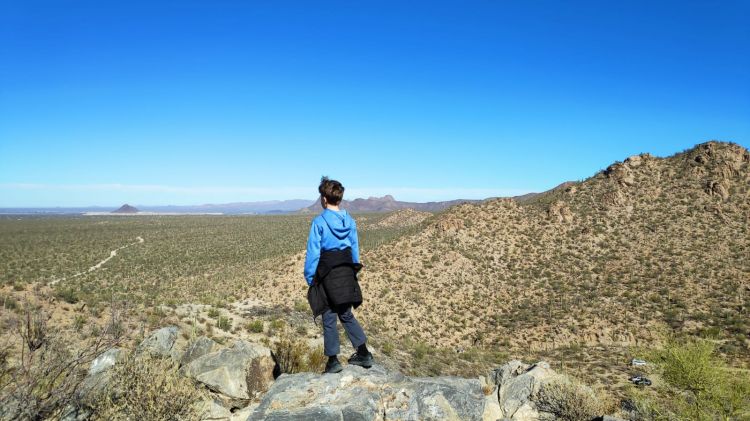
238, 384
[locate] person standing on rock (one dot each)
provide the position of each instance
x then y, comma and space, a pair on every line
331, 266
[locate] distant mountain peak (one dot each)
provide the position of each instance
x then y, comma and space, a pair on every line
388, 203
126, 209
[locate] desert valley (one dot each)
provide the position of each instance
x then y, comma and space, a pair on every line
643, 257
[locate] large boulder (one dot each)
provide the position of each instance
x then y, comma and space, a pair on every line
518, 386
375, 394
96, 380
198, 348
228, 370
161, 343
105, 361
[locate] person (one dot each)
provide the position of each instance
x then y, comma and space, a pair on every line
331, 266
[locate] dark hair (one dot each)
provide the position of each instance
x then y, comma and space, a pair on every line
332, 190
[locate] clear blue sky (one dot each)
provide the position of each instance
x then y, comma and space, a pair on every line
188, 102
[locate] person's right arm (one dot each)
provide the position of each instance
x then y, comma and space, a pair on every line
312, 255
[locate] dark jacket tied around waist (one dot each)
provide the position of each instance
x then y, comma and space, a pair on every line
335, 282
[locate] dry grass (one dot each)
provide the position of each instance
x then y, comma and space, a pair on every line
145, 388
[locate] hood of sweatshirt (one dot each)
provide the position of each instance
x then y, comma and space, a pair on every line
340, 223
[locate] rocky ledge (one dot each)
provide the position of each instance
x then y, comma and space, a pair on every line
515, 391
370, 394
230, 377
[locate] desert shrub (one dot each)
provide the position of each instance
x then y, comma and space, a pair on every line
699, 384
213, 313
294, 355
33, 329
275, 327
224, 323
115, 326
43, 380
690, 366
316, 360
301, 305
146, 388
9, 303
79, 321
420, 350
570, 400
68, 295
256, 326
290, 354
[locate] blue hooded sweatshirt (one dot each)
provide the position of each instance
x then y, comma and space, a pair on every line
331, 230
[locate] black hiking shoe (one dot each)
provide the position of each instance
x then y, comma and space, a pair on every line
333, 366
361, 360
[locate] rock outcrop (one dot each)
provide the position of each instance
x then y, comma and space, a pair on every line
560, 212
226, 371
518, 386
161, 343
512, 392
375, 394
198, 348
239, 385
105, 361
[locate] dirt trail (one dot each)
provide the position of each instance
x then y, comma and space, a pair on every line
112, 254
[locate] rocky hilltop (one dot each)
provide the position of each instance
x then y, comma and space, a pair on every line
236, 382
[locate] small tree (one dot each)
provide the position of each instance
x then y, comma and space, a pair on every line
713, 390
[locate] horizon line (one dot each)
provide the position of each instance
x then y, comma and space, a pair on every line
260, 194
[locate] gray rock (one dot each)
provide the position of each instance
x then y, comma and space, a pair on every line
226, 371
105, 361
198, 348
375, 394
92, 387
213, 410
518, 386
492, 411
160, 343
514, 393
98, 377
507, 371
244, 413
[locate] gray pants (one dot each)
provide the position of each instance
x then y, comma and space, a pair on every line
331, 335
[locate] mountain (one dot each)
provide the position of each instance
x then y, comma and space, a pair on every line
387, 203
262, 207
647, 246
126, 209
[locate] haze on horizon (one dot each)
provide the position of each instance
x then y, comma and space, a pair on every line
185, 103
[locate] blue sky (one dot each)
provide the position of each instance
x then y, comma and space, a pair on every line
187, 102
